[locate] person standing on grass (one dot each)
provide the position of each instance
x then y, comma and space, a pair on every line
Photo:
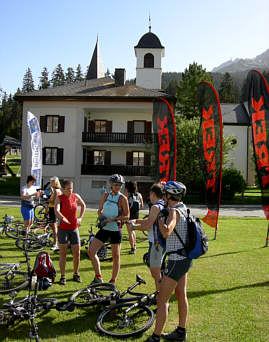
135, 201
66, 210
28, 193
54, 187
113, 211
175, 276
156, 249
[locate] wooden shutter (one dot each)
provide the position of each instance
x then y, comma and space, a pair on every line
89, 157
61, 124
147, 159
85, 125
130, 127
129, 158
43, 123
91, 126
60, 156
44, 155
148, 127
109, 126
107, 157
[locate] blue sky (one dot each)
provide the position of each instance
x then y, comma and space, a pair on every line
38, 33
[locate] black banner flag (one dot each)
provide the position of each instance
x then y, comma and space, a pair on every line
258, 106
210, 143
165, 143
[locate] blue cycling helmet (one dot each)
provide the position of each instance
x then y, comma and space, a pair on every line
176, 189
116, 178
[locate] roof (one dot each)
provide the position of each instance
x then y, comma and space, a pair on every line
95, 69
11, 141
149, 40
234, 114
101, 88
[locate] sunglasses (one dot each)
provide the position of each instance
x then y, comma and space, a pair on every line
117, 184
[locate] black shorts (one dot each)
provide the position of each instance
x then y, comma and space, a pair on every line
108, 235
52, 215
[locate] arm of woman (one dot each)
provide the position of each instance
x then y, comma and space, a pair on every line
57, 210
101, 204
147, 223
141, 201
166, 229
82, 205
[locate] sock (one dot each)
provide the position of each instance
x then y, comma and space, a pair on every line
98, 276
112, 281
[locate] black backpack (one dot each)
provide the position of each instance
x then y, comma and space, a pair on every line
197, 240
134, 205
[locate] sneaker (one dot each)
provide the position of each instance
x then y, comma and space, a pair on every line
97, 280
55, 247
132, 251
153, 339
62, 280
176, 335
76, 277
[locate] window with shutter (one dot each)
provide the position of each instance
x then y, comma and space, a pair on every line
52, 156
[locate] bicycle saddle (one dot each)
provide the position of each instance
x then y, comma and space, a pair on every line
140, 280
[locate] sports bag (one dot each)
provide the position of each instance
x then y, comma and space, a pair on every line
197, 240
43, 267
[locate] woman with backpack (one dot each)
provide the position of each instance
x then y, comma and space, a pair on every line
135, 201
175, 276
113, 211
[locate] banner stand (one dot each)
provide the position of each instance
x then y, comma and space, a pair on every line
267, 237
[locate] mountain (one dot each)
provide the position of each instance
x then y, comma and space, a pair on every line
260, 62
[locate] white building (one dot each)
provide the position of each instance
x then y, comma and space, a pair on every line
99, 126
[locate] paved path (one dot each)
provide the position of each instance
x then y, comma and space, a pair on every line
198, 210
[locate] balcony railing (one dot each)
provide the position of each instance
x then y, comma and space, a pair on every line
119, 138
126, 170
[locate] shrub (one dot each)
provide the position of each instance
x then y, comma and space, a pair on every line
232, 182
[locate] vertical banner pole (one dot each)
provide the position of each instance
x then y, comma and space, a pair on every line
267, 237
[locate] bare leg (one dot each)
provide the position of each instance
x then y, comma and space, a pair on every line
183, 305
156, 275
62, 259
54, 232
132, 236
92, 252
76, 257
115, 249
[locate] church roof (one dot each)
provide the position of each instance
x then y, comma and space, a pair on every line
149, 40
101, 88
96, 68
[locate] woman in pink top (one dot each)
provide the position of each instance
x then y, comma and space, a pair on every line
66, 210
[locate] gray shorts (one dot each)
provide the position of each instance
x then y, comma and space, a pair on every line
155, 255
65, 236
177, 268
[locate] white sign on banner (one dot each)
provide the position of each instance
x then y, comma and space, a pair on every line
36, 148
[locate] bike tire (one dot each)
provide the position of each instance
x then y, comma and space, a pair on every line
15, 230
46, 303
29, 245
40, 213
40, 229
115, 322
20, 280
94, 294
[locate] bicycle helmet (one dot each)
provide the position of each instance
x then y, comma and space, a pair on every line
116, 178
44, 283
176, 189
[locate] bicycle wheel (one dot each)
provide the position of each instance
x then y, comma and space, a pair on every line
46, 303
30, 245
15, 230
40, 213
95, 294
17, 280
40, 228
125, 320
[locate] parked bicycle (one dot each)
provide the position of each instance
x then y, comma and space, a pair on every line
128, 316
12, 229
37, 242
41, 210
11, 278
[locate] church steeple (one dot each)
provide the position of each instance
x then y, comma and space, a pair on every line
96, 68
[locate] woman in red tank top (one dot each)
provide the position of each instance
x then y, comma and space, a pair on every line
66, 210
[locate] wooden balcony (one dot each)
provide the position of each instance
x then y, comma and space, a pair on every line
126, 170
118, 138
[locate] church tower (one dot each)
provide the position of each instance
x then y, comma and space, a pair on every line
96, 67
149, 52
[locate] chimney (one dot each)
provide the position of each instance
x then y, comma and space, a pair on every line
120, 76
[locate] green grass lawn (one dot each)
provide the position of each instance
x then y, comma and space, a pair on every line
228, 288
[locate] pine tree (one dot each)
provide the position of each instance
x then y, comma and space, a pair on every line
70, 75
44, 79
79, 74
187, 103
28, 82
227, 89
58, 76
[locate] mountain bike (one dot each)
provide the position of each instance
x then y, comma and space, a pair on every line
11, 278
41, 210
12, 229
35, 243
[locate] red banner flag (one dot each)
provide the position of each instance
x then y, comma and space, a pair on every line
258, 106
210, 142
165, 143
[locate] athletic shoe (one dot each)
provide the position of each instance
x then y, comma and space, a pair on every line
132, 251
76, 277
153, 339
176, 335
62, 281
97, 280
55, 247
